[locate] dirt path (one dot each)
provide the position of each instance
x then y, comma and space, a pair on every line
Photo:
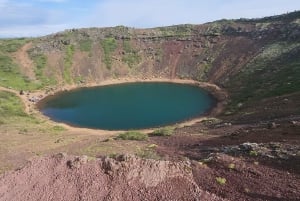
25, 63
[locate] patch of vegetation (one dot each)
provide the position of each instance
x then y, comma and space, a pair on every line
148, 153
215, 29
10, 75
203, 70
159, 55
26, 134
211, 120
58, 128
10, 106
12, 45
126, 46
108, 45
178, 30
263, 26
12, 112
68, 34
231, 166
68, 61
131, 59
6, 63
85, 45
131, 56
40, 61
79, 79
165, 131
253, 153
132, 135
221, 180
152, 146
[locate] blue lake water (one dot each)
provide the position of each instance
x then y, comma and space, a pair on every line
128, 106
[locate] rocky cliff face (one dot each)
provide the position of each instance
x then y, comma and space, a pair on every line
211, 52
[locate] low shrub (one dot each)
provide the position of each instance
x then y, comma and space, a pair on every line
231, 166
147, 153
165, 131
221, 180
132, 135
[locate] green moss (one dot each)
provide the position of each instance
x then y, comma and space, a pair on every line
253, 153
231, 166
132, 135
165, 131
178, 30
85, 45
40, 61
68, 61
131, 59
131, 56
109, 45
148, 153
58, 128
221, 180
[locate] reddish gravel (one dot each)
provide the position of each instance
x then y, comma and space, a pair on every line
271, 173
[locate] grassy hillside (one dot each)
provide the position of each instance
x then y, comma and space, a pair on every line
10, 73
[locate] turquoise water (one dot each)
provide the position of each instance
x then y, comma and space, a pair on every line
128, 106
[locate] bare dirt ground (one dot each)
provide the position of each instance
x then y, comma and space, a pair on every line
24, 61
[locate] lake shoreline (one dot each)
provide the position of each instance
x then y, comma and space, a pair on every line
34, 107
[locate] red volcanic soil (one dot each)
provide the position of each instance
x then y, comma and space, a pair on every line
259, 162
62, 177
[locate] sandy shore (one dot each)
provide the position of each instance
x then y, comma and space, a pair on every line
30, 106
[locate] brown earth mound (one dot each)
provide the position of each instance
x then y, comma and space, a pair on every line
62, 177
